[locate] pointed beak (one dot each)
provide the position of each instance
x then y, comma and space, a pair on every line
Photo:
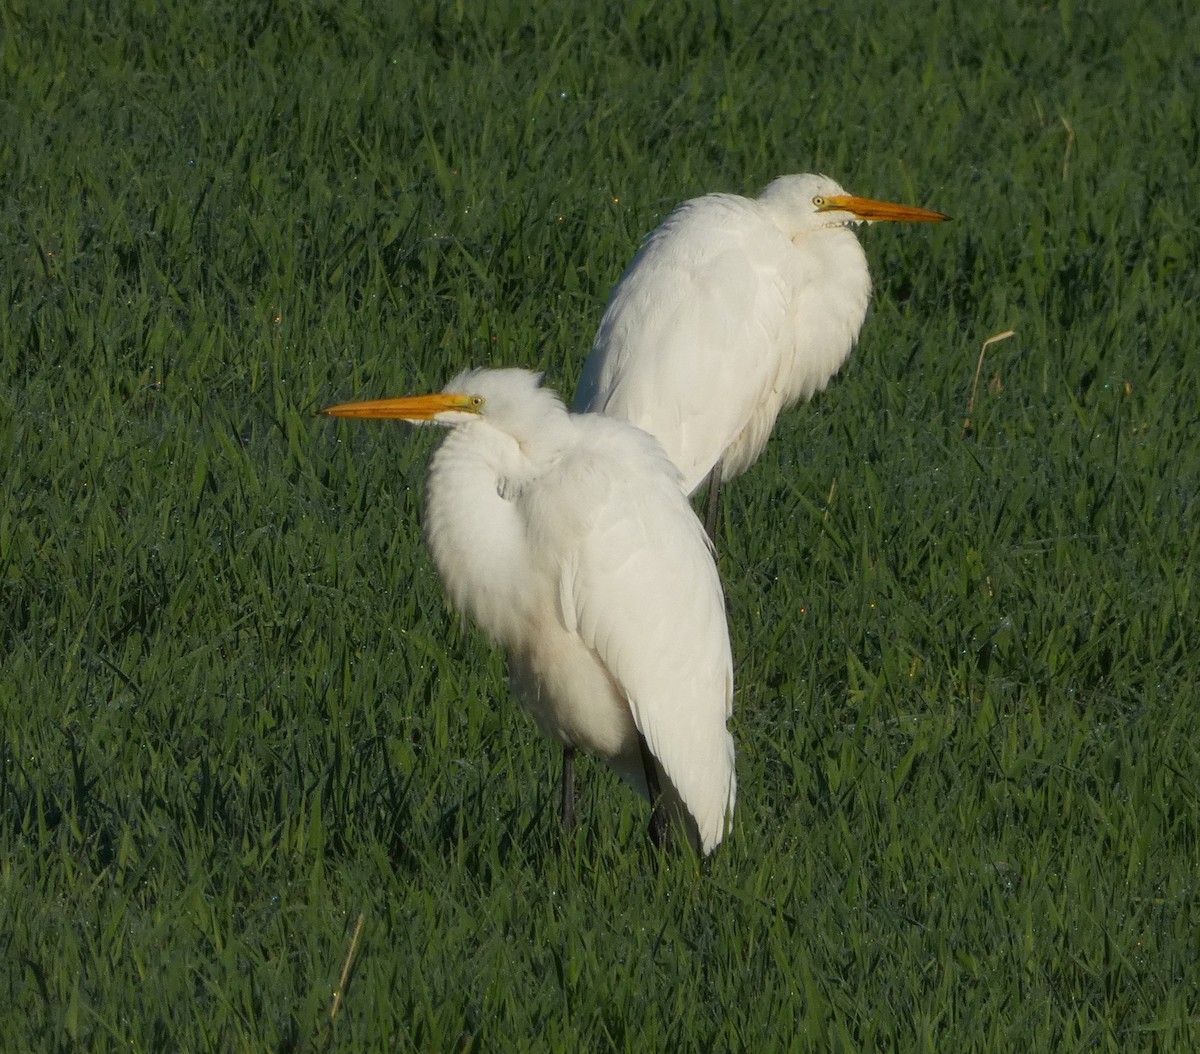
410, 408
871, 211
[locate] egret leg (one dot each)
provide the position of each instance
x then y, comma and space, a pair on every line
659, 829
566, 806
712, 503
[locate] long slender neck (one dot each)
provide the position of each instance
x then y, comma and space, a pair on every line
475, 524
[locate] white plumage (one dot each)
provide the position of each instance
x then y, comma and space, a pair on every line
733, 310
568, 540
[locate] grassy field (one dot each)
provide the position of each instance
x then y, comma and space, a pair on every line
236, 715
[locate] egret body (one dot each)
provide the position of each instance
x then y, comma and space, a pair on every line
568, 539
733, 310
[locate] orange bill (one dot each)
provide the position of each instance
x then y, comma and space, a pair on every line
872, 211
410, 408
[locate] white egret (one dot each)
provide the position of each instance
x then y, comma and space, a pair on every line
568, 539
733, 310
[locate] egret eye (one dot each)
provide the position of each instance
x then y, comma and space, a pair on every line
818, 202
476, 402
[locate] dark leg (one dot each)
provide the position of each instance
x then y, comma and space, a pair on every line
566, 807
712, 503
659, 825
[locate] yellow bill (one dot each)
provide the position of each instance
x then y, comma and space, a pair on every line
409, 408
872, 211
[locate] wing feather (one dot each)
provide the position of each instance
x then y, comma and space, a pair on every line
642, 591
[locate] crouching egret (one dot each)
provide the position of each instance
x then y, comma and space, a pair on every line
568, 539
733, 310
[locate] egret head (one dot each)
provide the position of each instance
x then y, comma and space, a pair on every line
510, 400
812, 202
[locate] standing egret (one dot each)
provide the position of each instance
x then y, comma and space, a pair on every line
733, 310
568, 539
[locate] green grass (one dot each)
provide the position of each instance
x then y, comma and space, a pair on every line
235, 712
